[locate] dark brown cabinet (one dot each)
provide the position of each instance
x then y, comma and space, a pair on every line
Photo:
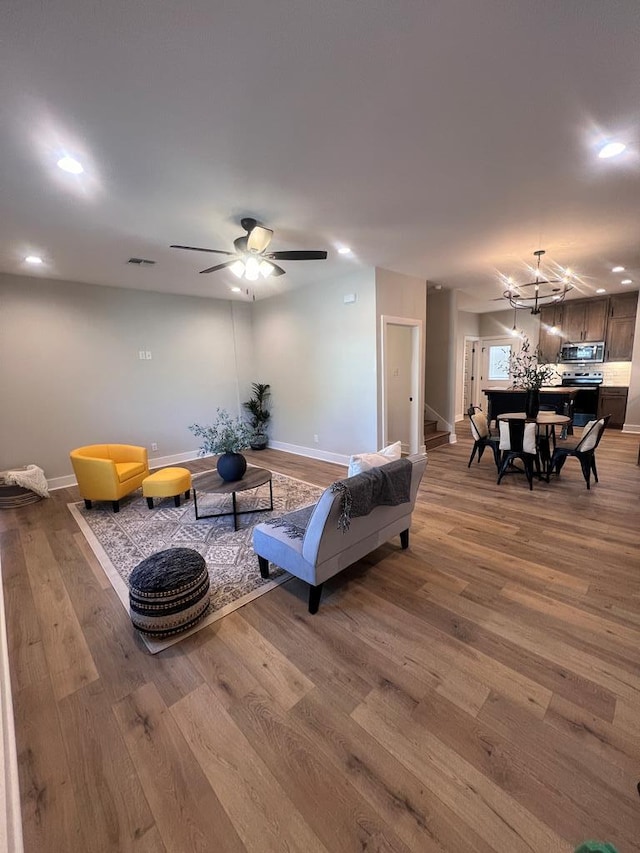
550, 340
613, 401
621, 326
584, 320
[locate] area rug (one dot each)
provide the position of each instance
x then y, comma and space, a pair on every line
121, 540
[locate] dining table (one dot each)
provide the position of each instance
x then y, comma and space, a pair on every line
546, 423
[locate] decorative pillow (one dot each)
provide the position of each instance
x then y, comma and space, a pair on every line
479, 425
590, 434
366, 461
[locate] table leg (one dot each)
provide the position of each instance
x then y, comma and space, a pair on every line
235, 511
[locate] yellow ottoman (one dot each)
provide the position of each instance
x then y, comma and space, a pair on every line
167, 483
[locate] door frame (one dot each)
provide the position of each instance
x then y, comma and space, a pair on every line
416, 420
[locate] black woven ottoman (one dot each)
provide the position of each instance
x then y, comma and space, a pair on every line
168, 592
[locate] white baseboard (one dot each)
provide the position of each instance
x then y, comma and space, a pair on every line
311, 452
10, 815
176, 458
634, 429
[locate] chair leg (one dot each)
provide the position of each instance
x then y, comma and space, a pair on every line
586, 470
503, 466
480, 452
187, 494
496, 455
404, 539
176, 500
528, 470
593, 467
87, 504
116, 506
150, 503
314, 598
473, 453
264, 566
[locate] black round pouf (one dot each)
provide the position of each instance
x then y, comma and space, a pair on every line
168, 592
231, 466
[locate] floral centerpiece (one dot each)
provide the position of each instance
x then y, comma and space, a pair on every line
527, 370
226, 436
529, 373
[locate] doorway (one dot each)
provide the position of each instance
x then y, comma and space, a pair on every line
402, 407
470, 374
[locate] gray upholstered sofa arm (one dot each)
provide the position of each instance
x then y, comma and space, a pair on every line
316, 549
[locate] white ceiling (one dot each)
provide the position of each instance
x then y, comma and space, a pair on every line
446, 139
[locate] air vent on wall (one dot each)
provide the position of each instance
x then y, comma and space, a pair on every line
140, 261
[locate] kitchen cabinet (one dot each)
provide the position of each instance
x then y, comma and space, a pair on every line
620, 326
623, 305
550, 340
584, 320
620, 332
613, 401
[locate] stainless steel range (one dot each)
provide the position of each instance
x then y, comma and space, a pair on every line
586, 403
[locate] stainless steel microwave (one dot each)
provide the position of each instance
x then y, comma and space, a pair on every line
584, 352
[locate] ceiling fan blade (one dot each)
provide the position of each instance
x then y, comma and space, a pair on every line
259, 238
297, 256
221, 266
196, 249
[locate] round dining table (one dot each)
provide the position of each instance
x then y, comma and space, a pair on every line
548, 420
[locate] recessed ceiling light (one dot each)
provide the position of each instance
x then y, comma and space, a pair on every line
611, 149
617, 269
344, 250
236, 290
68, 164
601, 290
34, 259
626, 281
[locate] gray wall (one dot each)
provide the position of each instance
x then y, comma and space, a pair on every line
70, 373
404, 296
440, 379
319, 356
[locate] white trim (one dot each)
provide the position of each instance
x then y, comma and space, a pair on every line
11, 822
312, 453
157, 462
189, 455
633, 429
417, 414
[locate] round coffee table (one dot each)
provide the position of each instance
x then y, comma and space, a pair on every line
212, 483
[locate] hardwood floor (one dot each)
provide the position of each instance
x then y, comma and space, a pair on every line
478, 692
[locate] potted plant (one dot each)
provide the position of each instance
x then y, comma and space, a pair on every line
259, 415
529, 373
226, 436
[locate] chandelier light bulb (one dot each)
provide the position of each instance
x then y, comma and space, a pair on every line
542, 290
611, 149
237, 268
252, 269
617, 269
265, 269
71, 165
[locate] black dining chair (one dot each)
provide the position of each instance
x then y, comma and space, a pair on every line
518, 441
584, 451
481, 435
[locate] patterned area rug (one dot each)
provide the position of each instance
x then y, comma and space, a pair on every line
121, 540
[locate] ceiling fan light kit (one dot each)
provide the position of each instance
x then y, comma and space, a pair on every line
250, 259
544, 290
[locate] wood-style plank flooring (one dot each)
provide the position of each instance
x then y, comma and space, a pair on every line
478, 692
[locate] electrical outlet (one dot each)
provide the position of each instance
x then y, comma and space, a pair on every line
316, 439
141, 355
148, 355
154, 446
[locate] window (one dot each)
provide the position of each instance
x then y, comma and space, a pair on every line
499, 362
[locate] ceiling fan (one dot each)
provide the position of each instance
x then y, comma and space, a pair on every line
251, 259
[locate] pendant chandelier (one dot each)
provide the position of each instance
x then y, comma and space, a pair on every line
535, 294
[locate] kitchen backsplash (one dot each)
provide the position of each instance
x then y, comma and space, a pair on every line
615, 373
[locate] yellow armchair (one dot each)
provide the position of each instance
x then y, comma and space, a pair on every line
108, 472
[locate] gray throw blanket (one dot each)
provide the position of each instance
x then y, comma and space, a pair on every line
388, 485
294, 523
